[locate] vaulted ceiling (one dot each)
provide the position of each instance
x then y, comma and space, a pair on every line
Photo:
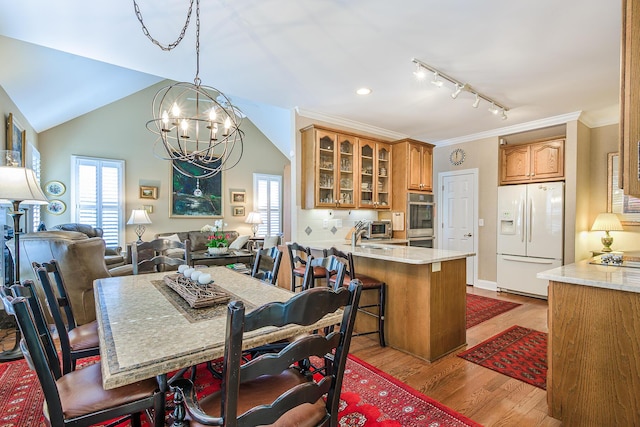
541, 59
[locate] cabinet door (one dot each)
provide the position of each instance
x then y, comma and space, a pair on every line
547, 160
514, 164
345, 172
326, 144
414, 167
383, 173
367, 173
630, 99
427, 169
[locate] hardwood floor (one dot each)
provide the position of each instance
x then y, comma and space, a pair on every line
485, 396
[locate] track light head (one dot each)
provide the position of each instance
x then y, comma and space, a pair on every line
476, 102
435, 80
457, 91
503, 116
493, 109
420, 72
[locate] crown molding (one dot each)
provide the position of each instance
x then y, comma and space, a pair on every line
352, 124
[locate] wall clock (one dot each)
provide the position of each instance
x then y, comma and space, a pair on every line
457, 156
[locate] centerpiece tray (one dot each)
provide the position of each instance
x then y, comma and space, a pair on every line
195, 294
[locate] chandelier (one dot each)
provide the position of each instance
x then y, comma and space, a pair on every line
198, 127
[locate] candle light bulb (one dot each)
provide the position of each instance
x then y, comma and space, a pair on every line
185, 128
213, 115
227, 124
175, 110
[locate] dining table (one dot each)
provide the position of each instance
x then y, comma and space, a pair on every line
148, 330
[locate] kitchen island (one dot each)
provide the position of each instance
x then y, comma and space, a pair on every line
593, 375
426, 295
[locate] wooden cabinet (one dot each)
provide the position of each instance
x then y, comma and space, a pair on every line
375, 174
344, 170
329, 163
413, 165
535, 162
630, 99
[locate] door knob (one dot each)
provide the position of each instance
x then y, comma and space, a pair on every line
468, 235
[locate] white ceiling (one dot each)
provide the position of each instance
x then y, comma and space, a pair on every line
540, 58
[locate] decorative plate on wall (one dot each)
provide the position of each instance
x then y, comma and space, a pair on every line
56, 207
55, 188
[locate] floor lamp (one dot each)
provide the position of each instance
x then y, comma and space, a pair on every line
18, 186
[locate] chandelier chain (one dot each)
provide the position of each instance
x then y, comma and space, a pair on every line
196, 80
173, 45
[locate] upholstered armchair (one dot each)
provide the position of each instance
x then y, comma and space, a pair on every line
81, 261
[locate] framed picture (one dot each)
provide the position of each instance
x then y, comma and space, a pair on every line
148, 208
195, 197
238, 211
56, 207
148, 192
627, 207
55, 188
238, 196
16, 140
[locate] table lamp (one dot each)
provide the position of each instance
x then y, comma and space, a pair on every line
254, 219
139, 217
607, 222
18, 186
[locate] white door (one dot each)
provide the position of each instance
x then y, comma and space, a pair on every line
458, 216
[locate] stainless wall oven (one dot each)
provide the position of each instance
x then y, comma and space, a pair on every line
420, 216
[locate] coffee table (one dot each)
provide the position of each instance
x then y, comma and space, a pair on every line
231, 257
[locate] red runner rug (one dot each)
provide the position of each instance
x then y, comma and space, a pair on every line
518, 352
370, 398
481, 308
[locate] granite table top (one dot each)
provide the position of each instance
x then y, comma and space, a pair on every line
391, 252
146, 330
600, 276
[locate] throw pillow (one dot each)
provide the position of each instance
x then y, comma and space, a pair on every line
239, 243
174, 252
271, 241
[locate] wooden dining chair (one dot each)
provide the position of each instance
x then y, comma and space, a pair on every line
76, 342
298, 256
77, 398
270, 389
154, 256
368, 284
267, 264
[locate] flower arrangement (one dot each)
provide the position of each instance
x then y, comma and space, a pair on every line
217, 237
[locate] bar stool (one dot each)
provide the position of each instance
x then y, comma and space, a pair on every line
298, 255
368, 284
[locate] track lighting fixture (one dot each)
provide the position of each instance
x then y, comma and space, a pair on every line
476, 102
435, 80
439, 78
420, 72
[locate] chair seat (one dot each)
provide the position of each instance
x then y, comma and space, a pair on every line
367, 282
318, 272
264, 390
81, 392
84, 336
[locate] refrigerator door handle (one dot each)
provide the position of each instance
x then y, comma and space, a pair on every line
528, 260
522, 219
530, 219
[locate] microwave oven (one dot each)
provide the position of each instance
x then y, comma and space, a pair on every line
378, 230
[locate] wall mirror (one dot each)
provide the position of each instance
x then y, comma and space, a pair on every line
627, 207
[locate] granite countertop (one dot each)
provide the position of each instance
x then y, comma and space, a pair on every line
599, 276
384, 250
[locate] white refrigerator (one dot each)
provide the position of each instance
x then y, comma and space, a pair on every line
530, 235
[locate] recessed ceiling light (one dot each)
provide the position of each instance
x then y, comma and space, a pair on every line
363, 91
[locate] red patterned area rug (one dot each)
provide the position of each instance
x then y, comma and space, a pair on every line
518, 352
369, 398
481, 308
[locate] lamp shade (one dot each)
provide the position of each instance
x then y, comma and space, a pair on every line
20, 184
139, 216
254, 218
607, 222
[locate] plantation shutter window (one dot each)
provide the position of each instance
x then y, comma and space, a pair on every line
267, 200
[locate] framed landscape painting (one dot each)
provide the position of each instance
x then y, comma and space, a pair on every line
16, 140
195, 197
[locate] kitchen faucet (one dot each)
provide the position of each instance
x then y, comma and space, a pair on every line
360, 229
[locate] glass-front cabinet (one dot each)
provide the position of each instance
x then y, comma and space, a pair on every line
375, 172
328, 169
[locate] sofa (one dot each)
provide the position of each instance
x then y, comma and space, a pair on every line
81, 261
238, 244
